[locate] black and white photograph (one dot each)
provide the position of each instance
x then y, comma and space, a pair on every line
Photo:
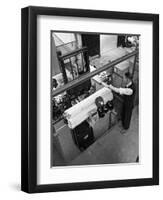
90, 99
94, 98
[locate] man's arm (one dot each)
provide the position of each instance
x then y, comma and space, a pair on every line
125, 91
115, 89
121, 91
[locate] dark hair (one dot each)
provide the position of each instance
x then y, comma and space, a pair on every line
55, 83
59, 53
128, 75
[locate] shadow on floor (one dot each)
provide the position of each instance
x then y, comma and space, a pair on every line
113, 147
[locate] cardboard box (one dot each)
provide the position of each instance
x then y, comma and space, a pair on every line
122, 68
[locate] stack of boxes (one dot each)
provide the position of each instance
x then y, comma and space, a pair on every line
119, 72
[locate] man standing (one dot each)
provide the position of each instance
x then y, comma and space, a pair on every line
128, 93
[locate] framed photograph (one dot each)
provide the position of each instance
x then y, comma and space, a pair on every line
90, 99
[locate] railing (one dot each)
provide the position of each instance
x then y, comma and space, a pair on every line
67, 47
89, 75
73, 53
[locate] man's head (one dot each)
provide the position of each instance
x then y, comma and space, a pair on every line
127, 78
59, 53
55, 84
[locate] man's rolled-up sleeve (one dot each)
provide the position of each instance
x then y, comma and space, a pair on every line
125, 91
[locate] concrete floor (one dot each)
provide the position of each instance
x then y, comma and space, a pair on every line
113, 147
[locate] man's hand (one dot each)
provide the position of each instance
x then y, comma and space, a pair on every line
105, 85
110, 86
